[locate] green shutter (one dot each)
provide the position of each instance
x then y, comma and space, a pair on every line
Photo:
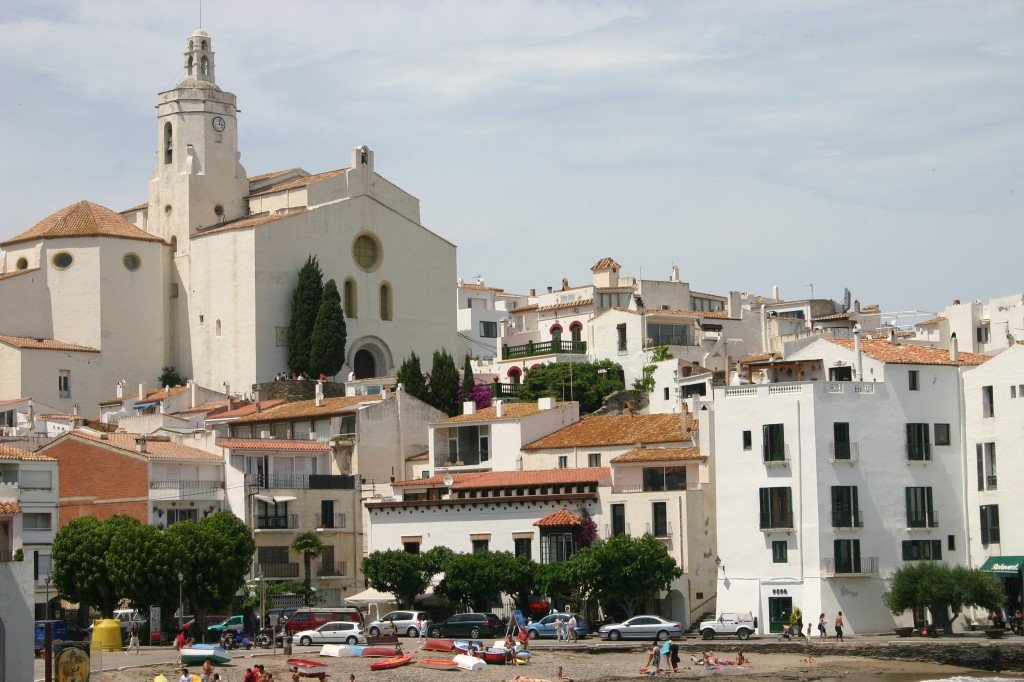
984, 524
912, 442
906, 550
927, 441
936, 550
855, 554
766, 442
766, 508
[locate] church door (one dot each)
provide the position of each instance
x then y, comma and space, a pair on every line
365, 366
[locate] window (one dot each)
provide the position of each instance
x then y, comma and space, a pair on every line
920, 513
366, 252
556, 333
131, 262
217, 328
563, 461
22, 264
556, 546
666, 393
847, 555
664, 478
488, 330
411, 547
349, 298
34, 521
780, 552
62, 260
385, 301
915, 380
576, 332
273, 555
36, 480
951, 542
841, 440
618, 519
168, 143
776, 507
773, 443
919, 445
671, 334
983, 334
941, 434
989, 524
987, 406
659, 519
986, 458
748, 440
174, 293
1013, 389
594, 459
845, 507
178, 515
621, 331
64, 383
524, 547
481, 546
654, 479
468, 445
272, 515
916, 550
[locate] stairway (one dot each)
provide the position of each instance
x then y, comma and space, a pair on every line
695, 624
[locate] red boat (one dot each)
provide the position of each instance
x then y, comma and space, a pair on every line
388, 663
307, 668
438, 664
435, 644
381, 652
493, 656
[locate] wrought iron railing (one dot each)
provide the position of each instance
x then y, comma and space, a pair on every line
533, 348
331, 520
776, 520
331, 568
186, 485
282, 522
288, 570
847, 518
927, 518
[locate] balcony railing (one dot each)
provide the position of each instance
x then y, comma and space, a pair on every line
628, 488
665, 531
608, 531
847, 518
865, 565
503, 390
843, 451
639, 488
331, 568
303, 481
781, 520
289, 570
922, 519
775, 457
283, 522
465, 457
186, 485
533, 348
338, 521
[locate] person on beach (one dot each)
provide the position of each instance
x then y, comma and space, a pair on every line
559, 628
207, 675
665, 652
179, 643
421, 627
822, 632
133, 640
185, 677
654, 658
839, 626
709, 658
570, 628
673, 656
741, 659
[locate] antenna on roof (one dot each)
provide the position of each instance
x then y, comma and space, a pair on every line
811, 285
200, 13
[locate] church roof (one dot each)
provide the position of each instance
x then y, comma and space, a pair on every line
303, 181
83, 219
45, 344
15, 273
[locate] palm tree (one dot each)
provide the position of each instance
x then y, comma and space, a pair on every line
309, 546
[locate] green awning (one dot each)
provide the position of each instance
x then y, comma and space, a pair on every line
1004, 565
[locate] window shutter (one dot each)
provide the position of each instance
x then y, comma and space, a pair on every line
906, 550
765, 505
926, 440
766, 441
911, 441
936, 550
984, 524
981, 467
855, 552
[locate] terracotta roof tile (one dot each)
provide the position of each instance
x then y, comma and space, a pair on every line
84, 219
833, 316
490, 414
523, 309
45, 344
271, 444
709, 314
308, 409
247, 221
244, 408
435, 480
15, 273
11, 452
155, 448
254, 179
11, 401
605, 264
133, 209
561, 518
909, 354
660, 455
569, 304
420, 457
503, 479
304, 181
152, 394
481, 287
931, 322
608, 430
759, 357
9, 507
210, 408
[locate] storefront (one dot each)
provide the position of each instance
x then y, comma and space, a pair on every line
1008, 570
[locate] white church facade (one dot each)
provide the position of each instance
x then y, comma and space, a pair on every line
200, 277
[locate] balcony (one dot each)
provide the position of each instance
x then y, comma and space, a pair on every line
504, 390
639, 488
850, 566
468, 457
847, 518
331, 521
331, 568
609, 531
283, 522
922, 518
302, 481
775, 457
777, 521
843, 452
660, 530
289, 570
534, 348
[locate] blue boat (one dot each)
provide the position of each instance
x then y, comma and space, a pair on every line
197, 654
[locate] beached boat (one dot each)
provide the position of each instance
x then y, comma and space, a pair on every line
197, 654
307, 668
469, 662
462, 646
438, 664
437, 644
494, 655
388, 663
341, 650
381, 651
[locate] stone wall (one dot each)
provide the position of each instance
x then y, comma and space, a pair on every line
296, 390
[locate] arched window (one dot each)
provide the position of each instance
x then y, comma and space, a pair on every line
167, 142
576, 330
515, 375
349, 299
189, 65
385, 301
204, 44
204, 67
174, 244
556, 332
365, 367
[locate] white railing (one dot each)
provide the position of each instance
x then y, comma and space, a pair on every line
843, 452
734, 391
868, 566
666, 534
834, 387
776, 389
864, 388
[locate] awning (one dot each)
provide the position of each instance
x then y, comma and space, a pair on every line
1008, 566
370, 596
275, 499
143, 405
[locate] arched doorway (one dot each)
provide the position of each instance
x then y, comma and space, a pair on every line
364, 366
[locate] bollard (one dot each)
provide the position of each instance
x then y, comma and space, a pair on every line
288, 645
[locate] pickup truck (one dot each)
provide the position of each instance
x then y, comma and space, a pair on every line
740, 624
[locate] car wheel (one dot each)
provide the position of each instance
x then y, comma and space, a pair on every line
413, 632
436, 632
662, 635
474, 633
707, 634
743, 633
374, 632
305, 641
352, 640
614, 635
534, 634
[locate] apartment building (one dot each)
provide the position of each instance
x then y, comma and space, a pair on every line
16, 585
985, 328
482, 310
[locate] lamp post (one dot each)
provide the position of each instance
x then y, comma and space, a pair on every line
48, 578
181, 601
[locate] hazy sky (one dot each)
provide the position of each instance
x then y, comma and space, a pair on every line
873, 145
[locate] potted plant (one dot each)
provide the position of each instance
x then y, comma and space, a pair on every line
994, 633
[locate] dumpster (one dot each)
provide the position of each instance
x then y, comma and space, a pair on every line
59, 630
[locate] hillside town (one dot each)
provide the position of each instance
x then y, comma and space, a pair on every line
787, 453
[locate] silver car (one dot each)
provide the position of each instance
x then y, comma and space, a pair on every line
642, 627
406, 623
335, 632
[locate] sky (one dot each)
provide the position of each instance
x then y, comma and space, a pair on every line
876, 146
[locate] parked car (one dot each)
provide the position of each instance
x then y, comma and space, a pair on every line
406, 623
335, 632
472, 625
740, 624
235, 623
312, 618
642, 627
211, 620
545, 627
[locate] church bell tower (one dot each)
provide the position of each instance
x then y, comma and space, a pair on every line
198, 181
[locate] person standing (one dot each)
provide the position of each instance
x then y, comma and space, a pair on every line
570, 631
559, 628
179, 643
822, 632
133, 638
839, 626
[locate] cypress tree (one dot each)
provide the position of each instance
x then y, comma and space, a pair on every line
410, 375
306, 297
327, 344
444, 383
467, 379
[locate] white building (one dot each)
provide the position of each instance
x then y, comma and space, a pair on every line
985, 328
994, 410
201, 275
830, 485
482, 310
16, 588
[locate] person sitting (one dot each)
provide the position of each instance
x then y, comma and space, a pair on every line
709, 658
741, 659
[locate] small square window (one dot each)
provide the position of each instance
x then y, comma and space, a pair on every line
1013, 391
481, 546
666, 393
951, 542
563, 461
64, 383
748, 440
780, 552
915, 380
942, 434
594, 459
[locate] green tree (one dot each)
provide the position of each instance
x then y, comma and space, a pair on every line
467, 379
582, 381
516, 576
170, 376
941, 589
472, 581
645, 383
305, 306
444, 383
80, 570
217, 555
630, 571
327, 346
410, 375
310, 547
397, 572
143, 564
570, 581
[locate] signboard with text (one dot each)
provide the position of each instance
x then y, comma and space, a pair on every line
154, 625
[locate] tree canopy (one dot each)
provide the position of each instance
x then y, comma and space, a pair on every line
143, 564
327, 344
305, 306
310, 547
80, 556
941, 588
580, 381
630, 570
444, 383
410, 375
400, 573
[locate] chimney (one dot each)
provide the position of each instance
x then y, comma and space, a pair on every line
533, 292
192, 393
460, 281
674, 277
31, 413
549, 289
858, 356
399, 388
74, 413
163, 407
142, 391
956, 301
227, 393
545, 403
856, 306
775, 291
385, 393
319, 398
565, 284
892, 336
954, 348
627, 407
499, 408
120, 390
469, 407
140, 445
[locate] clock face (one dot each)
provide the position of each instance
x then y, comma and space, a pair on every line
218, 124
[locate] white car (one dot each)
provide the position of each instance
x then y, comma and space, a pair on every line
334, 632
740, 624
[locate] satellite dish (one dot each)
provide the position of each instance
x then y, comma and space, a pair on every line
448, 480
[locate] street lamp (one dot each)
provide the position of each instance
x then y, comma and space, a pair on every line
181, 602
48, 578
